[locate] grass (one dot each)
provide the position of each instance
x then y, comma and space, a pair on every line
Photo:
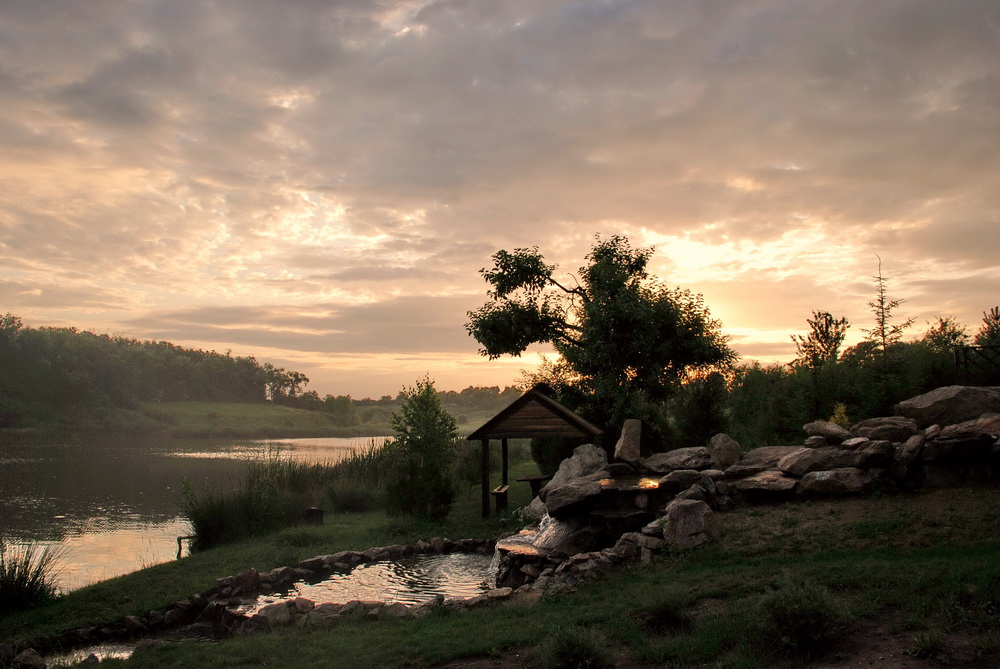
27, 576
769, 593
195, 420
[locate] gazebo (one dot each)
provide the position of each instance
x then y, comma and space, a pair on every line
533, 415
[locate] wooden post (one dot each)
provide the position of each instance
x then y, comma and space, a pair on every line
503, 446
484, 469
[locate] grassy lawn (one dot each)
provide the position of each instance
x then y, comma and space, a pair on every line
922, 569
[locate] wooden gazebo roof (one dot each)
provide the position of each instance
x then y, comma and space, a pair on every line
532, 415
535, 415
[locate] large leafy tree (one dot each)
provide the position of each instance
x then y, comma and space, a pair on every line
624, 340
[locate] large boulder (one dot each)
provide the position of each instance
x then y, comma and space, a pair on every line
724, 450
689, 523
759, 459
585, 460
767, 484
697, 457
831, 432
562, 500
950, 405
891, 428
876, 453
568, 536
629, 446
805, 460
843, 481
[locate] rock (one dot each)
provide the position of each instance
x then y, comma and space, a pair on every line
500, 593
971, 446
585, 460
724, 450
303, 605
560, 500
689, 523
986, 425
629, 446
950, 405
843, 481
891, 428
831, 432
697, 457
815, 442
29, 659
569, 536
805, 460
759, 459
910, 449
681, 479
854, 442
276, 614
876, 453
533, 512
771, 482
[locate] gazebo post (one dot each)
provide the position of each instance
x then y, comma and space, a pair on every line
484, 470
505, 458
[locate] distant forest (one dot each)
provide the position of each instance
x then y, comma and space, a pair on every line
55, 375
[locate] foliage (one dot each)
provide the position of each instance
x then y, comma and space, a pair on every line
63, 372
625, 341
989, 331
945, 335
421, 454
698, 410
797, 619
822, 344
27, 576
574, 648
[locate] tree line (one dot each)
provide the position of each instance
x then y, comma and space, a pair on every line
51, 374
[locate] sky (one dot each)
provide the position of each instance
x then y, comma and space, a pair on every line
318, 182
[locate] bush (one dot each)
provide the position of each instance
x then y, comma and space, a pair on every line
421, 455
574, 648
27, 576
795, 619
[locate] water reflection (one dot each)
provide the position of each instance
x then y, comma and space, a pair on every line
114, 502
409, 580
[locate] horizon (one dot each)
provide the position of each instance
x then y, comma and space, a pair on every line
318, 185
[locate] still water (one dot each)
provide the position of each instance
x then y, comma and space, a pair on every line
112, 504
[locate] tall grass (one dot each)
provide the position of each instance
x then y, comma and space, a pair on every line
27, 576
275, 490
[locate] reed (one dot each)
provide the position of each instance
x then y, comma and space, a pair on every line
27, 576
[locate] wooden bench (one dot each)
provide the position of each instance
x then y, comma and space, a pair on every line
500, 497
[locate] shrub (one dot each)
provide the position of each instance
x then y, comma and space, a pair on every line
574, 648
421, 455
794, 619
27, 576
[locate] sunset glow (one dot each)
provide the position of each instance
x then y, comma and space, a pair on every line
318, 184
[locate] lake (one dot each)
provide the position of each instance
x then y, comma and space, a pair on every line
112, 503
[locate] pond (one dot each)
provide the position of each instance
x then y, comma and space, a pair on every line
111, 504
409, 580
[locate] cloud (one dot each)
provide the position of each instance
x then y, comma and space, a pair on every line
359, 157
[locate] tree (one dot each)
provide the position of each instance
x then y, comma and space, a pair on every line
945, 335
822, 344
885, 333
817, 355
625, 341
989, 331
421, 454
